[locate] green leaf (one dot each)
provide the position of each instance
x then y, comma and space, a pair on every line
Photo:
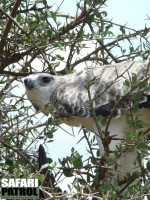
88, 178
105, 187
107, 28
53, 16
98, 153
134, 78
91, 18
49, 134
143, 85
131, 48
77, 161
72, 150
45, 2
9, 162
103, 121
68, 172
45, 16
60, 57
146, 31
127, 83
49, 160
41, 177
122, 29
142, 145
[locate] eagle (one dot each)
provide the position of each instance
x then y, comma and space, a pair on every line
113, 101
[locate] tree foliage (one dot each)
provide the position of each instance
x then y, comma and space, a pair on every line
34, 32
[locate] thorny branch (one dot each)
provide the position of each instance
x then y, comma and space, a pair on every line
66, 195
18, 152
81, 19
122, 99
72, 46
8, 25
13, 59
17, 56
109, 45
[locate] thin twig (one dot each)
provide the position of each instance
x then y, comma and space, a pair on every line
18, 152
108, 45
8, 25
12, 19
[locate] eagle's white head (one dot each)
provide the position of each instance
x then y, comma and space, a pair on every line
39, 88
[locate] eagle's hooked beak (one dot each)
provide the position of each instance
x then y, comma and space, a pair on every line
29, 84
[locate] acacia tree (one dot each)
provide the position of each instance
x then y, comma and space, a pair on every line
38, 31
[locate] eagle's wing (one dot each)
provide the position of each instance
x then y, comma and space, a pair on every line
101, 87
107, 85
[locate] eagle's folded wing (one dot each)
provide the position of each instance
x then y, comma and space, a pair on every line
102, 87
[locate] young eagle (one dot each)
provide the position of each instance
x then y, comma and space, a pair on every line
120, 93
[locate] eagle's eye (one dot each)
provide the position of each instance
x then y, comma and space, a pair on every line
46, 79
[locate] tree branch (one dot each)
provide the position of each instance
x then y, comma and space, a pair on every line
13, 58
18, 152
109, 45
80, 19
10, 18
8, 25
